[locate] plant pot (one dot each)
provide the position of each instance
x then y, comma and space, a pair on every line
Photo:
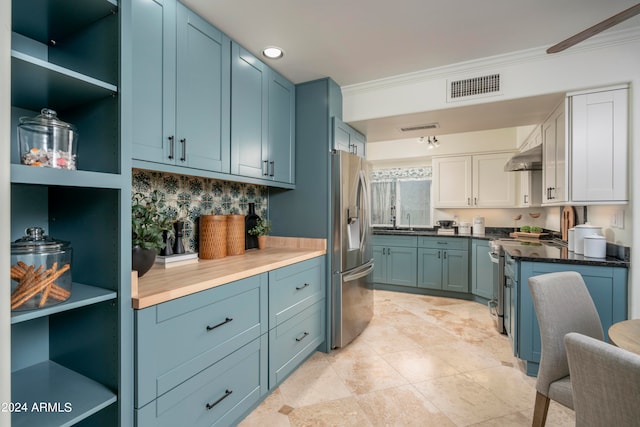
142, 259
262, 242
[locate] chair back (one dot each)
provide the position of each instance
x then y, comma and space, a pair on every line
563, 304
605, 381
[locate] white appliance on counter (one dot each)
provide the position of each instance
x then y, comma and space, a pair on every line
478, 226
352, 257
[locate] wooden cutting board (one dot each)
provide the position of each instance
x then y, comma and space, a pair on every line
567, 221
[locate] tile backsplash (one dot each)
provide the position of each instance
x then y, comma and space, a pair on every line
187, 197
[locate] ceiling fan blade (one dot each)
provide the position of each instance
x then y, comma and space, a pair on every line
599, 27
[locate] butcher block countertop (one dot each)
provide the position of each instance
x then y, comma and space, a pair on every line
160, 285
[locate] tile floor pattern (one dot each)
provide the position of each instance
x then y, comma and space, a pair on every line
423, 361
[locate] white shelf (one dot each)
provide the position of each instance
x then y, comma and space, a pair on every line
50, 383
81, 295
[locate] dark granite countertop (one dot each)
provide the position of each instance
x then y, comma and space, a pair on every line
553, 251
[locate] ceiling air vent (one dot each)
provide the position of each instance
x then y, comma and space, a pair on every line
476, 86
420, 127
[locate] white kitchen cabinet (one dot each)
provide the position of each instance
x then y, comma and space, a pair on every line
554, 158
530, 189
598, 131
477, 181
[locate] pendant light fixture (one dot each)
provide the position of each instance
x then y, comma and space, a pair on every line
432, 142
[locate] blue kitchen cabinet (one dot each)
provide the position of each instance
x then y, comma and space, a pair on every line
191, 350
262, 120
482, 271
68, 57
443, 263
346, 138
608, 289
395, 260
181, 88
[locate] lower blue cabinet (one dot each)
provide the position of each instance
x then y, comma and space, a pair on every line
218, 396
607, 287
209, 358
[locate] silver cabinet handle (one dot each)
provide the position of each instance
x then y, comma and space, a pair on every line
183, 141
525, 198
468, 201
172, 146
273, 168
475, 201
265, 167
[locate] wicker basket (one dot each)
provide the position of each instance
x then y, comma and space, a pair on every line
213, 236
235, 234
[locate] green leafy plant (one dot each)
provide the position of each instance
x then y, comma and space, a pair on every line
535, 229
262, 228
147, 222
525, 229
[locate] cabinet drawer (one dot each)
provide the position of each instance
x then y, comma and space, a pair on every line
294, 288
177, 339
217, 396
292, 341
461, 243
404, 241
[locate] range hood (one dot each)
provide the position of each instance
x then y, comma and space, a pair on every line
530, 160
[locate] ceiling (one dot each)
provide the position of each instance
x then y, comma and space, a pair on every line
357, 41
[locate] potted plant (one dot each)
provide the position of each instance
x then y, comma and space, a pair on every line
147, 227
261, 229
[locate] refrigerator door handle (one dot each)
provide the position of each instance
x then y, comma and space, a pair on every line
363, 271
364, 207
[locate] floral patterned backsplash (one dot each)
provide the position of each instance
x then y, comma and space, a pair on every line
187, 197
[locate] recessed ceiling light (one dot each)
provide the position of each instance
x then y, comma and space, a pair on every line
273, 52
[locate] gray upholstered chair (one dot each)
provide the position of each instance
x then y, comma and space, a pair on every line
605, 381
563, 304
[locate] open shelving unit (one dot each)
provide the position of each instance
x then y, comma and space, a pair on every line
66, 56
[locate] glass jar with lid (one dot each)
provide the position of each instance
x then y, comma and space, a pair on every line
47, 141
40, 271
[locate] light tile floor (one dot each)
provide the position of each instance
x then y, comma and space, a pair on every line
423, 361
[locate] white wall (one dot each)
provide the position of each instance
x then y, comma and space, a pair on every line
405, 151
5, 200
608, 59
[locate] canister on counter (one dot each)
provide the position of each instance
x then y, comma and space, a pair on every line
595, 246
213, 236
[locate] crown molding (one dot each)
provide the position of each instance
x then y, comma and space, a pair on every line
480, 66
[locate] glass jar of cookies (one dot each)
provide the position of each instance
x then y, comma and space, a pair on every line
40, 271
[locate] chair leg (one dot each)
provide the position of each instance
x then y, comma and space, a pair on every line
540, 410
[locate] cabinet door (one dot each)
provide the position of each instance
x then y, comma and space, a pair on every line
202, 124
430, 268
341, 136
379, 264
282, 97
455, 271
554, 157
599, 146
249, 135
482, 269
153, 39
452, 182
401, 266
492, 186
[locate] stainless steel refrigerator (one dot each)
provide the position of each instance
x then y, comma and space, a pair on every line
352, 259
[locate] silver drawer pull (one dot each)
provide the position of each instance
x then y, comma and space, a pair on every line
302, 337
301, 287
210, 406
211, 328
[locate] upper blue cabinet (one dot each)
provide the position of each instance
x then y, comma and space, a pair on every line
346, 138
181, 81
262, 120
